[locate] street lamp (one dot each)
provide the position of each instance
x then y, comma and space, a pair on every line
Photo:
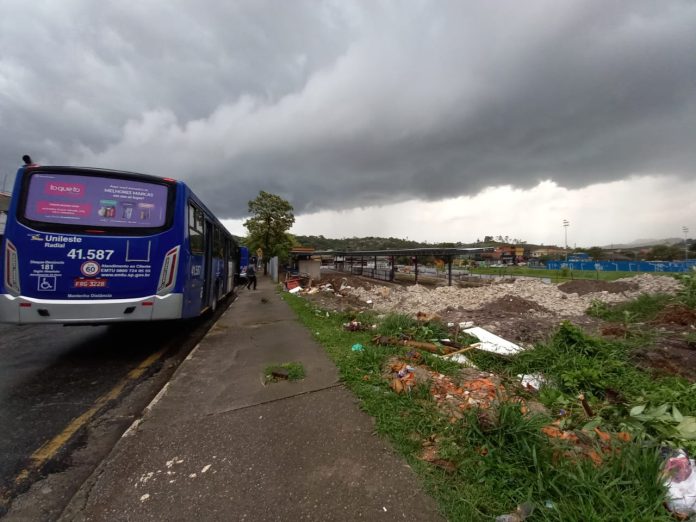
686, 246
566, 224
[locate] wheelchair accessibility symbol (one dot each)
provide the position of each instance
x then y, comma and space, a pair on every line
47, 283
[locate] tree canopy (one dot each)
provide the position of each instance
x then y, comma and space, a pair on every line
271, 218
665, 253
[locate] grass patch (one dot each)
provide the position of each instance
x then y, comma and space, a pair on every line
642, 309
687, 295
497, 463
604, 372
294, 370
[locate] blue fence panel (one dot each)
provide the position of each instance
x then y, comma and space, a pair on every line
625, 266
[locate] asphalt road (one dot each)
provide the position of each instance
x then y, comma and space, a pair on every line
50, 375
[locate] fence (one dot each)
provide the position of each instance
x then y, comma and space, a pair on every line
374, 273
624, 266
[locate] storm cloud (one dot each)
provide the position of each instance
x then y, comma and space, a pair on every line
336, 105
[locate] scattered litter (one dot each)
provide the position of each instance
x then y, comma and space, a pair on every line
678, 467
463, 360
521, 513
430, 454
425, 317
206, 468
590, 442
403, 377
492, 343
532, 381
406, 370
357, 347
466, 324
144, 497
192, 475
681, 484
353, 326
295, 290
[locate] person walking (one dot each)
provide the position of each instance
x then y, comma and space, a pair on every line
251, 277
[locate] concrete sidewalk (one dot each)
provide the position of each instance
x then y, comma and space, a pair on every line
218, 444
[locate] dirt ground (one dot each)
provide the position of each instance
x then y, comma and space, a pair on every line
524, 311
588, 286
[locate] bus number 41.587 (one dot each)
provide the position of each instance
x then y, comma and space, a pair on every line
78, 253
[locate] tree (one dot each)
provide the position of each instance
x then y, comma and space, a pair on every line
665, 253
271, 218
596, 253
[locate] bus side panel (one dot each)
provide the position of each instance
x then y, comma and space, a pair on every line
193, 286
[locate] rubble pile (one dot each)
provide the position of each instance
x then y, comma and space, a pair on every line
417, 298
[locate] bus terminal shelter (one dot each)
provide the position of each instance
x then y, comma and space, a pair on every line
365, 262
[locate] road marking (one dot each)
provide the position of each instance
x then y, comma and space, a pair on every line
48, 450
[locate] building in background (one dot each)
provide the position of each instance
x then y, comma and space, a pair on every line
4, 205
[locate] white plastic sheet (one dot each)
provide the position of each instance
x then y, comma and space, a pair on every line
492, 343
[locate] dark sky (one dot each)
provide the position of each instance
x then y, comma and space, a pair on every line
337, 105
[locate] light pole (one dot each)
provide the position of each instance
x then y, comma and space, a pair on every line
686, 246
566, 224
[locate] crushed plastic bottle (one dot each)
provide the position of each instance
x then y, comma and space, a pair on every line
521, 513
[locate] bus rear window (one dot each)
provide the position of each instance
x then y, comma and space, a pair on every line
95, 201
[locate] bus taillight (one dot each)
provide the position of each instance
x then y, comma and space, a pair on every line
11, 268
167, 278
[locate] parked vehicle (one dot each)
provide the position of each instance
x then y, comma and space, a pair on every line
87, 245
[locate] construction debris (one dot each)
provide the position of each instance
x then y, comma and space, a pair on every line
424, 303
492, 343
383, 340
533, 381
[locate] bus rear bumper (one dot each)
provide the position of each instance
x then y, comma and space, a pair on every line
27, 310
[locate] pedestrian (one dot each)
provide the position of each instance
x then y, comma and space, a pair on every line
251, 277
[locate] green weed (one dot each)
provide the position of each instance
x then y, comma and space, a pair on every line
502, 459
644, 308
687, 295
296, 371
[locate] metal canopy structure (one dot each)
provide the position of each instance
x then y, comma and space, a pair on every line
447, 253
406, 252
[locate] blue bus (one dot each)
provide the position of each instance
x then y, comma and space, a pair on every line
93, 246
